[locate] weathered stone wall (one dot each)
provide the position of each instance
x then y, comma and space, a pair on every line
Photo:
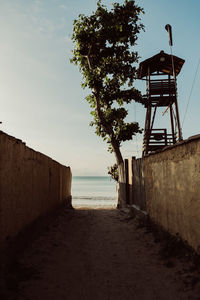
172, 189
31, 185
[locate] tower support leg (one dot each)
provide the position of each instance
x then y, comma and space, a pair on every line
172, 124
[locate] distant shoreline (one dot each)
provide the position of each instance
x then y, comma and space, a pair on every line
93, 191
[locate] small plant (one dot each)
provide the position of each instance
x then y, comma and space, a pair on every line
113, 172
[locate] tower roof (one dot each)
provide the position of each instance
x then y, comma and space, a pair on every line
161, 62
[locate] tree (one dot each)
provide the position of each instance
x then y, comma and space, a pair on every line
104, 43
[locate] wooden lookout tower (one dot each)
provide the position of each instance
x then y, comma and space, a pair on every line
160, 73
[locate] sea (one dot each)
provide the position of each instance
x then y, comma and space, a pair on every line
88, 191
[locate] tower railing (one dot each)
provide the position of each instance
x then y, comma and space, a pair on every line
161, 87
157, 139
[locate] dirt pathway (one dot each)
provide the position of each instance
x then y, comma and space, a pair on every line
97, 254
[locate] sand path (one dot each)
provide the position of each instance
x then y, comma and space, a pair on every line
97, 254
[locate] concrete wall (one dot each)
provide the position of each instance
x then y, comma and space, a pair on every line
31, 185
172, 189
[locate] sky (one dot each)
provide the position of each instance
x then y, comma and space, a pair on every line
41, 98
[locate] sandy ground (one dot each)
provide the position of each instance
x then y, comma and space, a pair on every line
99, 254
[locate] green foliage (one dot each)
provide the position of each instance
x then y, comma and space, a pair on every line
113, 172
104, 44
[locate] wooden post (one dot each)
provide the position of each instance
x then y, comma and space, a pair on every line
176, 103
165, 134
171, 114
172, 124
180, 137
148, 118
127, 181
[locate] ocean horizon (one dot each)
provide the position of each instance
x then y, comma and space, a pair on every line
93, 191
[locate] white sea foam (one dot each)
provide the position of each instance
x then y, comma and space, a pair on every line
93, 191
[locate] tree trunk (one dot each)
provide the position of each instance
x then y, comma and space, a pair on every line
121, 184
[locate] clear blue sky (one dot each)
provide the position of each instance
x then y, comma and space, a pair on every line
41, 98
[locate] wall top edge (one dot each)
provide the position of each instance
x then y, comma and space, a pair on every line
183, 142
19, 141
